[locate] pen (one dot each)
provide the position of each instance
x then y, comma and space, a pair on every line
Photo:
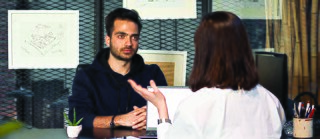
302, 111
299, 108
312, 112
295, 111
308, 112
307, 109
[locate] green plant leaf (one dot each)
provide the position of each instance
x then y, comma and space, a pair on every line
67, 118
74, 116
74, 122
78, 122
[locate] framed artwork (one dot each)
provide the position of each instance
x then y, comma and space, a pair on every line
250, 9
39, 39
172, 63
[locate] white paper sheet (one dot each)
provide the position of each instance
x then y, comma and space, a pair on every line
163, 9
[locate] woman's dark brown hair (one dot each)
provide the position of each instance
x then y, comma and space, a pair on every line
223, 56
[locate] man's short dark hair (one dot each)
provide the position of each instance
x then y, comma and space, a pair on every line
123, 14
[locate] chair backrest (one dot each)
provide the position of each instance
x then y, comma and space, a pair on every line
273, 75
82, 66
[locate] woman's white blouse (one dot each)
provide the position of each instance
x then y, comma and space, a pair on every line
213, 113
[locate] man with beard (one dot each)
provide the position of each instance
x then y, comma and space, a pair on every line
101, 93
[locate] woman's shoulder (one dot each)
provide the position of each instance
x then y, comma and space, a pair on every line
261, 90
217, 94
201, 96
266, 94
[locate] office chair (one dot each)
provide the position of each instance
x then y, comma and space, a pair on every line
82, 66
273, 75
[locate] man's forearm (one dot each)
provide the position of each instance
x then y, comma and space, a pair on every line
104, 121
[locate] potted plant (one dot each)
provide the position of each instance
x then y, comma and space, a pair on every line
73, 128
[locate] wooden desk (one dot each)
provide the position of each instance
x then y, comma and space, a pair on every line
118, 133
286, 137
96, 133
60, 133
110, 133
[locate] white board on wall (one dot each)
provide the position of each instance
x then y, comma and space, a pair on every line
163, 9
250, 9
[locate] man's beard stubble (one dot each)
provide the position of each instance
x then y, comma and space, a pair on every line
118, 56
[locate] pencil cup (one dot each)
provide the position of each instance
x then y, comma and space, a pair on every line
303, 127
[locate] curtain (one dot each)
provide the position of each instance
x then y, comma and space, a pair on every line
297, 35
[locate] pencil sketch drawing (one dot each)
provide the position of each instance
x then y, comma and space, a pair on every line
46, 39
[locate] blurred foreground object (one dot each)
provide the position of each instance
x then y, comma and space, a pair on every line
9, 126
